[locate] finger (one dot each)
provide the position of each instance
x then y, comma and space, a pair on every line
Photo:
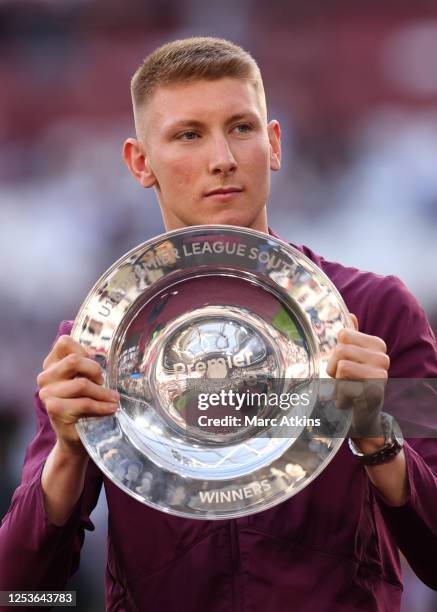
70, 366
64, 345
68, 411
364, 401
354, 321
348, 390
357, 354
79, 387
350, 370
374, 390
359, 393
352, 336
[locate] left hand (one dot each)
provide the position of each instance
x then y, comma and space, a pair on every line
359, 357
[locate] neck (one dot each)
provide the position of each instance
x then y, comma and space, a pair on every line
259, 224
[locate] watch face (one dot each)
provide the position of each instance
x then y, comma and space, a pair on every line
182, 325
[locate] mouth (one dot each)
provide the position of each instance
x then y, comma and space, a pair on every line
224, 193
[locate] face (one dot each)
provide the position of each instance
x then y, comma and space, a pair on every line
208, 151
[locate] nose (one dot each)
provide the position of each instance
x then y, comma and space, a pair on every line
222, 160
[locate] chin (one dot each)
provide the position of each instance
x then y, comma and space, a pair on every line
227, 219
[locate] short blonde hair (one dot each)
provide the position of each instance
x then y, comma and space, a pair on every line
192, 59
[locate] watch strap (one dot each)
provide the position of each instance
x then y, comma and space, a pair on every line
392, 446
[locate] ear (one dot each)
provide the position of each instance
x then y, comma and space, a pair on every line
136, 160
274, 132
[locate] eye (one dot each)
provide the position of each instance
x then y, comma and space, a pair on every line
243, 128
188, 136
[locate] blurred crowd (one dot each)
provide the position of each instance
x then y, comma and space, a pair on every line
354, 87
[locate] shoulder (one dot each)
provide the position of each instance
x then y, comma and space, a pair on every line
357, 287
385, 307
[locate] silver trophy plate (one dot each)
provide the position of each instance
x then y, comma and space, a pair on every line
217, 339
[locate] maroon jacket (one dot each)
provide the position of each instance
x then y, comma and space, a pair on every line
332, 547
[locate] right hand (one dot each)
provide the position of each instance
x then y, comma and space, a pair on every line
70, 387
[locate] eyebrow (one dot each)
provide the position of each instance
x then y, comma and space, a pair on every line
195, 123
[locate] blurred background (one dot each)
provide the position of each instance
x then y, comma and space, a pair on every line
354, 86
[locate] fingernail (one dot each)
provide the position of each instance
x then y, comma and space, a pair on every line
113, 407
115, 395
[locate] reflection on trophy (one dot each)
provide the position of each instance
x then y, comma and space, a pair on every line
216, 338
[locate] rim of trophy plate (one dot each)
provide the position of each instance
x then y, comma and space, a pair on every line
87, 426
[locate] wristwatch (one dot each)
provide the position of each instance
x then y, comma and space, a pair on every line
393, 444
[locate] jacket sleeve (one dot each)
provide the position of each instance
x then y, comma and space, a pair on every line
413, 354
35, 554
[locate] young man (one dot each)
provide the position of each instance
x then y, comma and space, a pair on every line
205, 145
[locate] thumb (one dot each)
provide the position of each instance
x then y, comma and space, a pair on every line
354, 321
